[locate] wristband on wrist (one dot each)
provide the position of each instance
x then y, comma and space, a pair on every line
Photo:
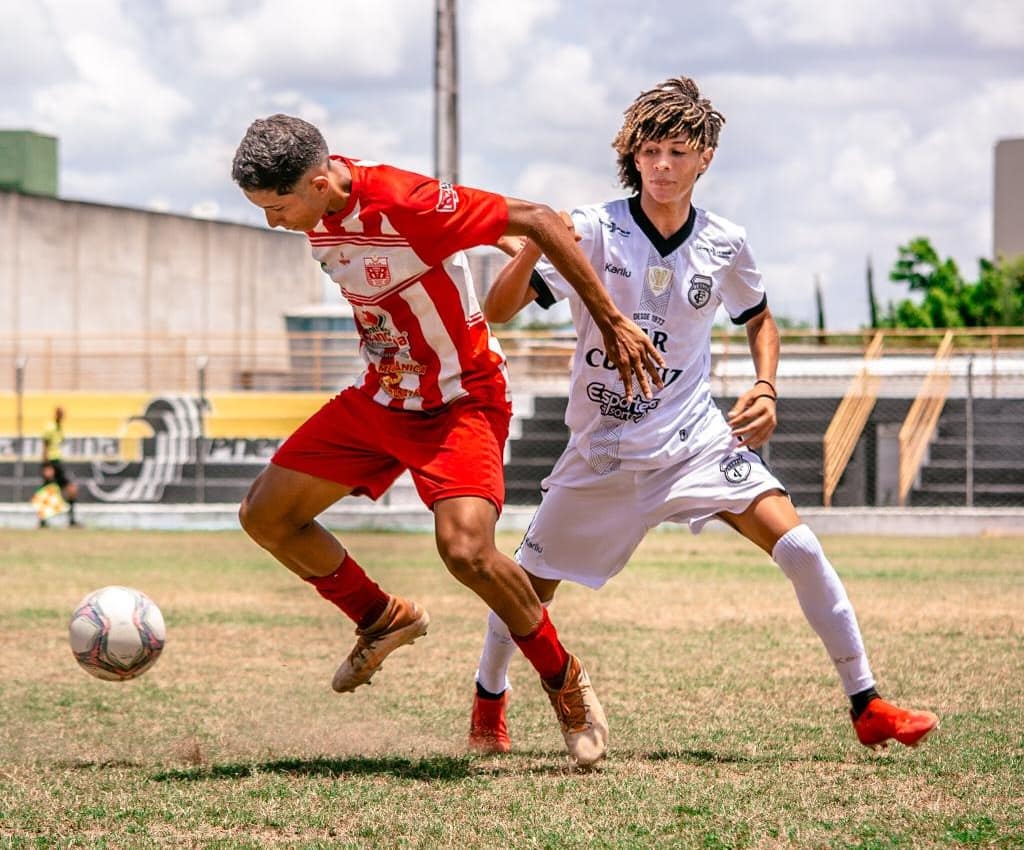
770, 385
765, 395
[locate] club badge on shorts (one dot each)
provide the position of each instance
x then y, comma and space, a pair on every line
736, 469
699, 292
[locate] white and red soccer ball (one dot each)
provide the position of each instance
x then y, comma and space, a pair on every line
117, 633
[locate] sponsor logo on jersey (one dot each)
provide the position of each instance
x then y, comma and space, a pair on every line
613, 228
342, 259
736, 469
392, 385
377, 336
700, 290
447, 198
378, 272
659, 278
619, 270
401, 367
614, 404
534, 545
596, 358
723, 253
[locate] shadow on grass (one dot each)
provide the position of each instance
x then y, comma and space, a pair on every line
443, 768
712, 757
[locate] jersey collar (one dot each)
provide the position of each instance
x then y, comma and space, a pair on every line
661, 244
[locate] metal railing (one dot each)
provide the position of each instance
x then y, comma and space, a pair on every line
849, 420
919, 426
328, 360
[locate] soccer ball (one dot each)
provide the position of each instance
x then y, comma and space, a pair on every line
116, 633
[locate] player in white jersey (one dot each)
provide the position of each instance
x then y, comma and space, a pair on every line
634, 462
433, 399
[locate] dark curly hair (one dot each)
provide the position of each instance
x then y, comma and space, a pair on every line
276, 152
672, 108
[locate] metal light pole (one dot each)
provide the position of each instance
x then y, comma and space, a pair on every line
446, 95
200, 448
19, 391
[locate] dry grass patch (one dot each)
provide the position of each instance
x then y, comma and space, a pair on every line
728, 726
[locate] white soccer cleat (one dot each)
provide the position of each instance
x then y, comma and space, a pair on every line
580, 715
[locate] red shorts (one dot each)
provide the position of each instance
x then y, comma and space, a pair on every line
361, 444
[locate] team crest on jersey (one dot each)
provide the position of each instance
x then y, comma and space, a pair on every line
700, 290
447, 198
736, 469
658, 278
378, 272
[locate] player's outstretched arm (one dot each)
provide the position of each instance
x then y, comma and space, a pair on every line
753, 417
625, 343
510, 291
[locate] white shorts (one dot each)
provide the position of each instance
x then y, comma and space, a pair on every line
588, 525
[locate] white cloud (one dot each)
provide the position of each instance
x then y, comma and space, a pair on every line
564, 186
851, 128
22, 62
811, 22
993, 23
113, 95
498, 41
305, 40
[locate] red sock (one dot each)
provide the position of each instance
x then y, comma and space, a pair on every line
353, 591
544, 650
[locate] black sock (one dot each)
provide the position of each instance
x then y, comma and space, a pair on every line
71, 511
483, 693
858, 702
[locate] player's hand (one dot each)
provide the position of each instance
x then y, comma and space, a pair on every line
635, 356
753, 418
511, 245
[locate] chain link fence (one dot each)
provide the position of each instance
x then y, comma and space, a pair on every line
194, 420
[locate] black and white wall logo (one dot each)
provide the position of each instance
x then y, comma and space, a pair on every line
736, 469
175, 423
699, 292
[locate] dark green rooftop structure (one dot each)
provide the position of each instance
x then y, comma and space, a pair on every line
28, 163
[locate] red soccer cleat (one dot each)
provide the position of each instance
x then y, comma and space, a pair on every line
881, 721
488, 729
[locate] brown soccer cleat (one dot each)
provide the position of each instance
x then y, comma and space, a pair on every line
580, 715
401, 623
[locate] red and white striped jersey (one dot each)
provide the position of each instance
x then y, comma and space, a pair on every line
396, 252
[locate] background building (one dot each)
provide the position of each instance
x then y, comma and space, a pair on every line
1008, 199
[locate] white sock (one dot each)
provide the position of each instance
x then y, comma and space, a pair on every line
496, 655
825, 604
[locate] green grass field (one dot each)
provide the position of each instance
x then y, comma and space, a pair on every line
728, 726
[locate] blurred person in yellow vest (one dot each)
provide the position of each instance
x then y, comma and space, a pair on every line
53, 466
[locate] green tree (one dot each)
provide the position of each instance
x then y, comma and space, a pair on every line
949, 301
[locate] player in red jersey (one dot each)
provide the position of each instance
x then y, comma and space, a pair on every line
433, 399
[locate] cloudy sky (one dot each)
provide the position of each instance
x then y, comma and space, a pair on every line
851, 127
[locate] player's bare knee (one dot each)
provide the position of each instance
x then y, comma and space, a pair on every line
263, 525
466, 557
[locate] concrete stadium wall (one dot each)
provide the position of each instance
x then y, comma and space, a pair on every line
78, 269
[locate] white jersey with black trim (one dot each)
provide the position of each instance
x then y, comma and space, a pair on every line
672, 289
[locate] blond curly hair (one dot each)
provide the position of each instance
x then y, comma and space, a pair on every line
672, 108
